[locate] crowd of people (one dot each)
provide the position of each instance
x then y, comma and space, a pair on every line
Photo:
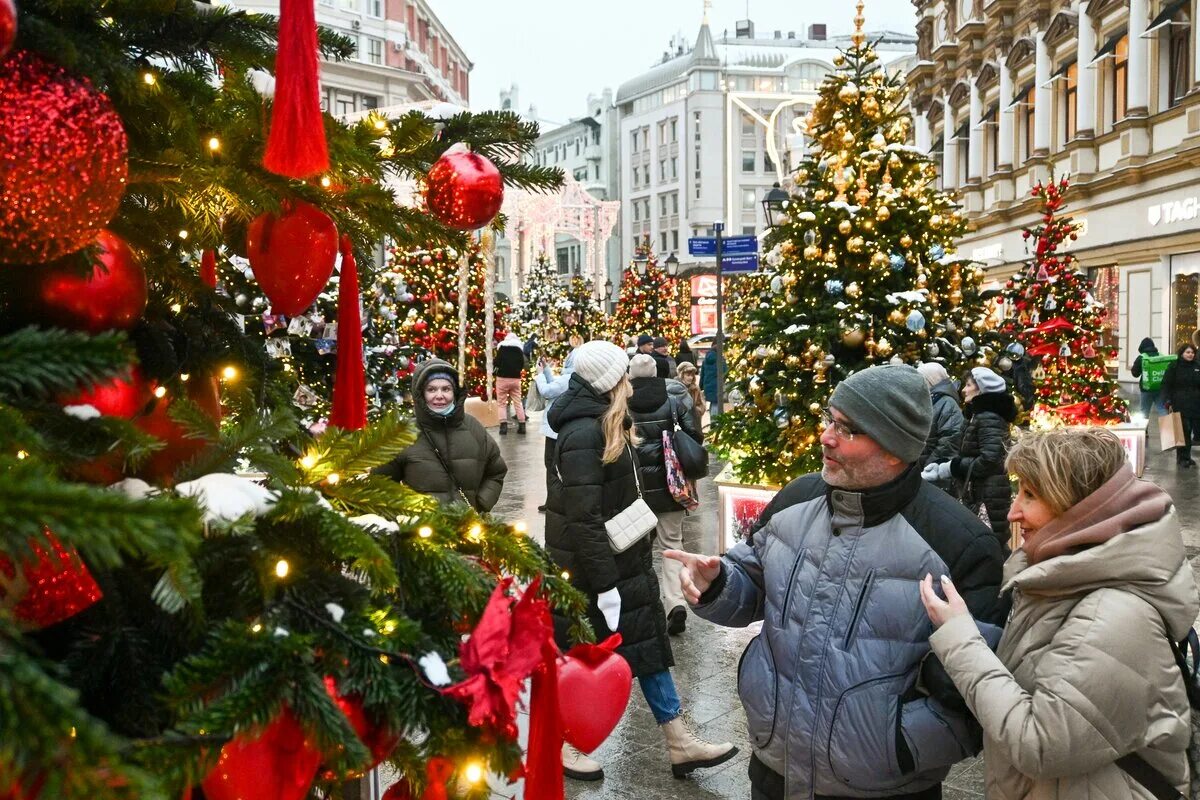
913, 611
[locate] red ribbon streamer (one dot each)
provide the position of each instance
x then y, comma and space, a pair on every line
208, 268
349, 410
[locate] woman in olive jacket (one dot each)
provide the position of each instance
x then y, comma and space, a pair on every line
448, 440
1181, 392
1084, 686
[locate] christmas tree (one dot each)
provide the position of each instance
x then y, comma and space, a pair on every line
254, 596
858, 273
649, 302
1055, 318
540, 293
575, 313
418, 308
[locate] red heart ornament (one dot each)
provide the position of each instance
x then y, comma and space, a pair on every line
112, 295
593, 686
277, 764
292, 255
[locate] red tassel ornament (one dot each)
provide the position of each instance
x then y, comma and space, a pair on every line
208, 268
349, 410
296, 144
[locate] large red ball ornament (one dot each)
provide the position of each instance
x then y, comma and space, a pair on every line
277, 764
8, 34
113, 295
52, 586
465, 190
160, 467
62, 160
292, 255
123, 396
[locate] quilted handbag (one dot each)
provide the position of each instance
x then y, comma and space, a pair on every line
680, 487
634, 521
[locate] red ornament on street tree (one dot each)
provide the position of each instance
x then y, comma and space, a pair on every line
113, 295
63, 160
292, 255
160, 467
597, 673
464, 190
123, 396
53, 586
279, 763
379, 739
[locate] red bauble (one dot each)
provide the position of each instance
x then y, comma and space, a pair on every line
160, 467
277, 764
123, 396
379, 740
57, 585
8, 34
292, 255
112, 296
465, 190
420, 326
593, 690
62, 160
23, 789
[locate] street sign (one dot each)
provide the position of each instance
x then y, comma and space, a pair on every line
730, 245
746, 262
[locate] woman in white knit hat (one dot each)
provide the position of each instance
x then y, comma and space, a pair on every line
593, 481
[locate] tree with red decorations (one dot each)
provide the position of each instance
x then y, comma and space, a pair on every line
651, 302
1058, 322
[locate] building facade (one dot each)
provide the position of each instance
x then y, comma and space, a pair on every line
1009, 92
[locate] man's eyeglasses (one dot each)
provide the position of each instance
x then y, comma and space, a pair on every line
840, 429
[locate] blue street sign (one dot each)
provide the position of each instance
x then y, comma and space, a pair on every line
730, 245
744, 262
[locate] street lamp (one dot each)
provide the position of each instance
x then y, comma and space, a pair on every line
672, 265
774, 205
608, 289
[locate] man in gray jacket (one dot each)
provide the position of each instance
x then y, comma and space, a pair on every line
841, 696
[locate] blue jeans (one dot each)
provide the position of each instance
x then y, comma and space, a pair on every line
1151, 400
712, 410
660, 694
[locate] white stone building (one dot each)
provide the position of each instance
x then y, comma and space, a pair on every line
1009, 92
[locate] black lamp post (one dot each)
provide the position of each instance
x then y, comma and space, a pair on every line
608, 292
672, 265
774, 204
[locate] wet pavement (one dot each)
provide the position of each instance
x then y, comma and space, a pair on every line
706, 656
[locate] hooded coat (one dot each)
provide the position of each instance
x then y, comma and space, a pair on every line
475, 458
582, 494
1181, 387
945, 431
510, 358
1146, 348
1084, 673
656, 409
979, 466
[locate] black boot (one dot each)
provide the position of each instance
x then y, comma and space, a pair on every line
504, 428
521, 427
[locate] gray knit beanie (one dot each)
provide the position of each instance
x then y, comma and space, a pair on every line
891, 405
601, 364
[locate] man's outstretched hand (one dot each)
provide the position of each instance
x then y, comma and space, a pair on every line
697, 574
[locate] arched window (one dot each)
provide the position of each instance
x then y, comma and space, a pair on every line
941, 28
966, 11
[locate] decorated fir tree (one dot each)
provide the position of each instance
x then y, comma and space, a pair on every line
860, 271
575, 313
1055, 318
540, 293
649, 302
244, 592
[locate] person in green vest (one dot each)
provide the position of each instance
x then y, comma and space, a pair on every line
1149, 381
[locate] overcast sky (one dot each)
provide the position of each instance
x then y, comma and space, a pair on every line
557, 51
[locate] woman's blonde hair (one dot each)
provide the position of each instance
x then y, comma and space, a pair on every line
616, 433
1062, 466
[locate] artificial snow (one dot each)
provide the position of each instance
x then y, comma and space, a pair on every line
84, 411
435, 669
225, 497
375, 521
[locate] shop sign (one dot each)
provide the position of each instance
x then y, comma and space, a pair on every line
1174, 211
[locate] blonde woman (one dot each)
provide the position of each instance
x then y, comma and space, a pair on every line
1083, 690
592, 480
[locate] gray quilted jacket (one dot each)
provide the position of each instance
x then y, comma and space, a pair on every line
830, 685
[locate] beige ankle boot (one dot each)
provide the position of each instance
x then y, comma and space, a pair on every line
689, 752
577, 765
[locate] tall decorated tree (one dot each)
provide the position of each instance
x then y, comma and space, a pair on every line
649, 301
575, 313
860, 271
540, 293
196, 591
1055, 318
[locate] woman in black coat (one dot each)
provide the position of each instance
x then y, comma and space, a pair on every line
685, 354
594, 480
1181, 392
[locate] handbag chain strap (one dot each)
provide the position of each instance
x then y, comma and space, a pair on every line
633, 456
449, 470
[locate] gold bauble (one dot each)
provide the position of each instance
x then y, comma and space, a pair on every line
883, 213
897, 317
849, 92
867, 224
820, 195
922, 280
879, 259
789, 279
848, 139
830, 257
878, 141
792, 361
883, 348
787, 247
844, 227
955, 297
839, 127
854, 337
980, 324
812, 252
855, 244
906, 241
870, 106
853, 289
814, 408
935, 221
802, 176
839, 60
813, 350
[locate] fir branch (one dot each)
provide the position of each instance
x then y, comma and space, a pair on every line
350, 453
46, 362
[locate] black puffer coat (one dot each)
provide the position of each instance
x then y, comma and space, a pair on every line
979, 466
474, 456
1181, 387
654, 411
583, 494
946, 430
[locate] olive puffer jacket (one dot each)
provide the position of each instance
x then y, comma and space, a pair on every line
479, 469
1181, 387
979, 466
582, 494
655, 410
1084, 673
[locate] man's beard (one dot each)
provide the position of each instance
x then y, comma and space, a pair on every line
866, 475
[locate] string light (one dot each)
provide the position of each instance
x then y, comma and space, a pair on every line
281, 568
389, 627
176, 308
214, 144
256, 627
229, 373
183, 376
380, 124
326, 182
22, 455
473, 772
425, 532
160, 392
149, 78
333, 478
309, 461
384, 659
520, 527
566, 576
183, 234
475, 534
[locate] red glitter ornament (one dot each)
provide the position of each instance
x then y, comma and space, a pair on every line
8, 29
59, 585
113, 295
62, 160
292, 255
465, 190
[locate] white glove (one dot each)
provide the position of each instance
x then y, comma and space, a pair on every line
930, 473
609, 604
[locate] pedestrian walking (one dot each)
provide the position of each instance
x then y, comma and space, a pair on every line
689, 376
644, 344
551, 386
685, 354
594, 479
1083, 694
945, 431
978, 469
666, 367
1181, 393
655, 412
453, 458
708, 376
529, 349
1149, 394
510, 368
831, 683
